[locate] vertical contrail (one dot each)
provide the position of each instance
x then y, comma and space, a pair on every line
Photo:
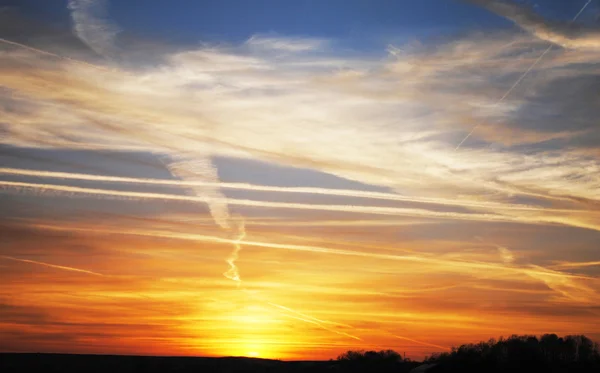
533, 65
92, 27
200, 168
233, 272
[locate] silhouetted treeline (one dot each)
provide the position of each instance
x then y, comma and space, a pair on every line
373, 361
350, 362
526, 353
549, 353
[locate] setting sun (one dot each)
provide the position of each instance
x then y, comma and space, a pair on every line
252, 348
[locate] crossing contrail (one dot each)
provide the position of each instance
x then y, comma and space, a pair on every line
41, 51
72, 269
422, 343
291, 313
446, 263
550, 46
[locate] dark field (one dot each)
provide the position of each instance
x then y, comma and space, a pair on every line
116, 364
550, 353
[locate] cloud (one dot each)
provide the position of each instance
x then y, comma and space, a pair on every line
405, 113
285, 44
507, 256
562, 34
197, 169
573, 290
390, 120
158, 291
92, 27
474, 267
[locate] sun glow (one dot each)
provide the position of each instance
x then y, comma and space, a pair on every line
252, 329
254, 348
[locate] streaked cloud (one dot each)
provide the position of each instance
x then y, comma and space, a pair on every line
90, 24
285, 44
561, 34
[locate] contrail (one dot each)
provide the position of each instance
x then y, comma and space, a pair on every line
307, 316
313, 320
448, 264
338, 223
288, 312
576, 264
377, 210
203, 180
90, 28
186, 182
549, 277
233, 272
324, 327
550, 46
83, 63
199, 169
422, 343
72, 269
581, 11
506, 255
566, 288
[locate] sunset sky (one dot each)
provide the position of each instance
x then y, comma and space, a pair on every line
294, 179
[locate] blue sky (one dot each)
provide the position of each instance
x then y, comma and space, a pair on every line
361, 25
236, 20
356, 24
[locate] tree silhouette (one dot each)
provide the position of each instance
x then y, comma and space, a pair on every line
550, 353
377, 361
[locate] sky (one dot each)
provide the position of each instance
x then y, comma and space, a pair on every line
293, 180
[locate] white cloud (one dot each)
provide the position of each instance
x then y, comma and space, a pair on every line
92, 27
553, 32
285, 44
392, 121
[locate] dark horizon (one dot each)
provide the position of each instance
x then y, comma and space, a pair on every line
401, 354
514, 354
296, 179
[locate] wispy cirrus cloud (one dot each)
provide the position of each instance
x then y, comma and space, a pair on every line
91, 25
285, 44
555, 32
123, 99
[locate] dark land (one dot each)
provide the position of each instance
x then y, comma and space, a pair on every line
531, 354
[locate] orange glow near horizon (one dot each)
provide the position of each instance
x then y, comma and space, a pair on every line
290, 305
